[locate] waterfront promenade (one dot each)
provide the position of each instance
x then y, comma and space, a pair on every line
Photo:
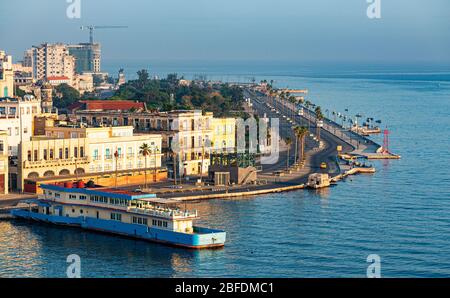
276, 177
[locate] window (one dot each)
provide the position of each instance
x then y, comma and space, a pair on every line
75, 152
116, 216
57, 195
51, 153
96, 154
60, 153
35, 155
67, 153
81, 151
72, 197
29, 155
45, 154
83, 197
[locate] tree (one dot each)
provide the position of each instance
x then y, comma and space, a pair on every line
142, 78
65, 95
19, 92
288, 142
319, 117
300, 133
145, 151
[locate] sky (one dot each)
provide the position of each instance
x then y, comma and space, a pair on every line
263, 30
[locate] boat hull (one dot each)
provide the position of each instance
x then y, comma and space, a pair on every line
201, 238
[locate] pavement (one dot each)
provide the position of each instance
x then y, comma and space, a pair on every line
12, 199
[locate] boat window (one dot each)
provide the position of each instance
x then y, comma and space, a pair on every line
116, 216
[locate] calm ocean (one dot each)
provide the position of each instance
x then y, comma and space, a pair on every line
401, 213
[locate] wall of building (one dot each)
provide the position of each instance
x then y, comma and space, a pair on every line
86, 150
4, 173
16, 118
224, 134
6, 75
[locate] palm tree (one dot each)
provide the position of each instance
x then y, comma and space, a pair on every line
296, 133
319, 117
300, 133
308, 106
288, 142
145, 151
292, 100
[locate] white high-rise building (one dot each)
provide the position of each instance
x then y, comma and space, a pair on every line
52, 61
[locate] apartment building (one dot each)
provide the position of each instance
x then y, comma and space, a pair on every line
52, 60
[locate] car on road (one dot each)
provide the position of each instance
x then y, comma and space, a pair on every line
323, 165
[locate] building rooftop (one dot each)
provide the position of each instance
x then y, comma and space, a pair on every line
107, 105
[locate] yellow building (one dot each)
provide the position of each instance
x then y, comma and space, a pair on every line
3, 162
224, 135
74, 150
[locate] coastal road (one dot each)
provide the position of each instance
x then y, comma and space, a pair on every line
327, 154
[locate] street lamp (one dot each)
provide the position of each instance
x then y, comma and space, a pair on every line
155, 151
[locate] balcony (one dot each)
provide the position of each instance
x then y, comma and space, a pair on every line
56, 162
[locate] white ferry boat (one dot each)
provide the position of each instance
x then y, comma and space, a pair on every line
127, 213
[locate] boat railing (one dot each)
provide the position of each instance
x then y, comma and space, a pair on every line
167, 213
